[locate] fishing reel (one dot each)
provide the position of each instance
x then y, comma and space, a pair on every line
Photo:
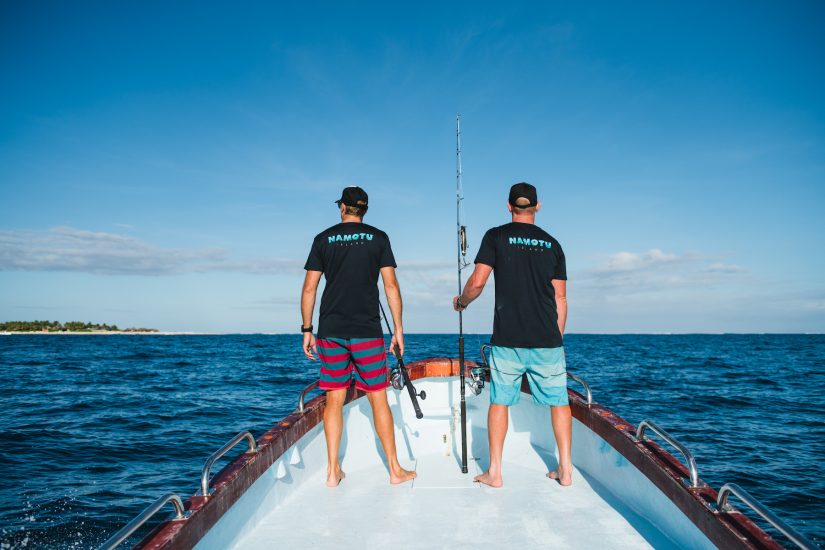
477, 374
476, 381
396, 379
397, 382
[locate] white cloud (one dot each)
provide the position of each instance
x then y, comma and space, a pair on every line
290, 301
428, 283
631, 261
813, 305
795, 301
427, 265
72, 249
653, 271
718, 267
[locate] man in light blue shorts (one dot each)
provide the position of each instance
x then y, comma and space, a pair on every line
545, 370
528, 328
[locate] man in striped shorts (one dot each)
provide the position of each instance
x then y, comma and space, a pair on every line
350, 341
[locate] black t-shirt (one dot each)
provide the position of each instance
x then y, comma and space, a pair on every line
351, 256
524, 258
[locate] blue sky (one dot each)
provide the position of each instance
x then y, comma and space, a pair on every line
168, 165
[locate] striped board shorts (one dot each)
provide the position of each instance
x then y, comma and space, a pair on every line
345, 359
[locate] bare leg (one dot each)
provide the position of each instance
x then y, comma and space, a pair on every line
333, 427
497, 430
563, 429
382, 417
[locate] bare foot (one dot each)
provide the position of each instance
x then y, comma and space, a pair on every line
563, 475
333, 479
400, 475
489, 479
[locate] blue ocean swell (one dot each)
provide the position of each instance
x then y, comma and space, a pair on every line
95, 427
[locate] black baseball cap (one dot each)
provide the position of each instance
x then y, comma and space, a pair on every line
523, 190
353, 196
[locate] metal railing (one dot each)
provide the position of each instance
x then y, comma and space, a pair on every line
722, 505
691, 462
128, 530
303, 395
222, 451
581, 381
484, 360
732, 488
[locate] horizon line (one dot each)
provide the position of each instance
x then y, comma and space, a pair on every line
199, 333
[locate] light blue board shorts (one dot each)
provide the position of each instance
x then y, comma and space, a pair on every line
546, 372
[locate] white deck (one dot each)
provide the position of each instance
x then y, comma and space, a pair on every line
443, 507
610, 505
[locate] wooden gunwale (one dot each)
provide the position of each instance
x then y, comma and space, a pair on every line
727, 530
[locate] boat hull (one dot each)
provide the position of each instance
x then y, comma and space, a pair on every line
644, 486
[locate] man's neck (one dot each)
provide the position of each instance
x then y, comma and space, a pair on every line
346, 218
524, 218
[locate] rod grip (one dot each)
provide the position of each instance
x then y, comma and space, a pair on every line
408, 383
463, 404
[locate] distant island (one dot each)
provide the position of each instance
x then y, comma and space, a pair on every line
70, 326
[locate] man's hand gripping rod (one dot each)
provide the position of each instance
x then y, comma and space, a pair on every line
403, 369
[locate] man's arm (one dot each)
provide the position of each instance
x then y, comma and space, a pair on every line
475, 284
307, 307
560, 286
393, 292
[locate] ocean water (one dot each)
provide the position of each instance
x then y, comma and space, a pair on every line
94, 428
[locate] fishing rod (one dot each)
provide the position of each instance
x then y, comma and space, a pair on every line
402, 369
462, 263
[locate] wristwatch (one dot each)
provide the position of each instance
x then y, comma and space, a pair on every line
306, 329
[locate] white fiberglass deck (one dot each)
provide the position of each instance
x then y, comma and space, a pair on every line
610, 505
444, 508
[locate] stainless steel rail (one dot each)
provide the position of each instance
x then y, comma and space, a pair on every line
222, 451
484, 360
732, 488
128, 530
691, 463
581, 381
303, 395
